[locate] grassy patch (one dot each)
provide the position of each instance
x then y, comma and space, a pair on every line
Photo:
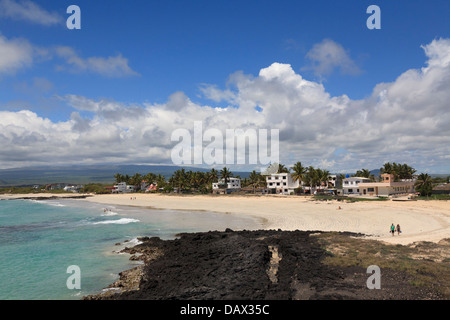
427, 263
435, 197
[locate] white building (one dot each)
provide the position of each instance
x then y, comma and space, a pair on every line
122, 187
351, 185
281, 183
233, 184
72, 188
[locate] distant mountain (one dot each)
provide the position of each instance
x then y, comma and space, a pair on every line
83, 174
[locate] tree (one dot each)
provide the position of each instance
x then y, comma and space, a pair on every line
400, 171
299, 172
226, 174
322, 176
254, 179
119, 177
161, 181
364, 173
282, 168
311, 178
180, 179
423, 184
136, 180
213, 176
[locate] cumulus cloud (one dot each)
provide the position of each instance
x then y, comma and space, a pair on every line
28, 11
329, 55
403, 121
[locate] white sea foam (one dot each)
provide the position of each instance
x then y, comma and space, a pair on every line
109, 213
120, 221
134, 242
49, 203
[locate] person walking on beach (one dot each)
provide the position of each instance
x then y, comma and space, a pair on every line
398, 229
392, 229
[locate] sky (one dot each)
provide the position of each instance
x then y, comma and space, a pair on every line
343, 96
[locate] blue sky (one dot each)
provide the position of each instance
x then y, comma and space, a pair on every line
165, 47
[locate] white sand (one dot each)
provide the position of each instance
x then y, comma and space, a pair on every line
419, 220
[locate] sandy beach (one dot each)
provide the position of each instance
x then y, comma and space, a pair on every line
419, 220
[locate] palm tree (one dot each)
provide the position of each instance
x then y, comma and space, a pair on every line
400, 171
254, 179
225, 174
136, 181
311, 178
364, 173
180, 179
160, 181
322, 177
423, 184
150, 177
119, 177
299, 172
213, 176
282, 168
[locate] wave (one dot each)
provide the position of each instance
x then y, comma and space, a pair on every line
109, 213
120, 221
49, 203
134, 242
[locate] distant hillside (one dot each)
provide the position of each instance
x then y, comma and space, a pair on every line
83, 174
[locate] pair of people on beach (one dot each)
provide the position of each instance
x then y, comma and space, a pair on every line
393, 229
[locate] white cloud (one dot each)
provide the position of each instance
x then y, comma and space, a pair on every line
28, 11
402, 121
14, 54
113, 67
327, 56
17, 54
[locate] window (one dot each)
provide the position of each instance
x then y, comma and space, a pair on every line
350, 190
370, 189
284, 183
284, 177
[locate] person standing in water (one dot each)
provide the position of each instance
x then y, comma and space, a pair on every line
398, 229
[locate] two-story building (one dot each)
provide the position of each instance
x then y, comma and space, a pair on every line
351, 185
122, 187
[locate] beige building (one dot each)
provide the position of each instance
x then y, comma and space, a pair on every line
386, 187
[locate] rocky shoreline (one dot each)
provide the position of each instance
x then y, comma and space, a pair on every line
250, 265
43, 198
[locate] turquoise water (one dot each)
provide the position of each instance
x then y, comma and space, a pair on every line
39, 240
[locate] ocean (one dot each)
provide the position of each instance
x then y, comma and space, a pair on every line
40, 240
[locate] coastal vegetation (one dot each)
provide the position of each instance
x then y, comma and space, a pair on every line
200, 181
425, 262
